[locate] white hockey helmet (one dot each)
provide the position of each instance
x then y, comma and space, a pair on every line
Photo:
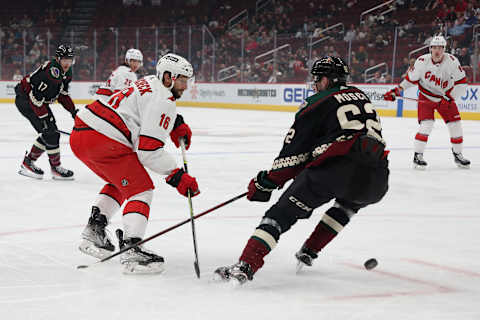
133, 54
438, 41
176, 65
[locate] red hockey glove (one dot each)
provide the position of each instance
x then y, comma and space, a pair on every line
181, 130
444, 103
260, 188
392, 94
183, 182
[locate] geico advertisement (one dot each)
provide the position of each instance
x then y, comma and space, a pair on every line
468, 102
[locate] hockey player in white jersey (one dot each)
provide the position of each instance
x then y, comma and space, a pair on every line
123, 76
120, 136
441, 80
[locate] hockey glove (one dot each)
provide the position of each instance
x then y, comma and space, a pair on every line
48, 125
181, 130
183, 182
445, 104
260, 188
392, 94
74, 113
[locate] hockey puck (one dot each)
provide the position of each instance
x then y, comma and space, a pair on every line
370, 264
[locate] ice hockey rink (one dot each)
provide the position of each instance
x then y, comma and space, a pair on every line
424, 234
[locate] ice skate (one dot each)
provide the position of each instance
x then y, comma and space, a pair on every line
138, 260
60, 173
460, 161
418, 162
237, 274
95, 241
305, 257
29, 169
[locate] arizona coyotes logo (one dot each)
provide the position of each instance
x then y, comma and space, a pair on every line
55, 72
435, 80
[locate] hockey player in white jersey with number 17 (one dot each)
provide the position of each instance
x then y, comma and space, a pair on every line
123, 76
441, 80
117, 138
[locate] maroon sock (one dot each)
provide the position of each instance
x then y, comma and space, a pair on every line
35, 153
54, 159
320, 237
253, 253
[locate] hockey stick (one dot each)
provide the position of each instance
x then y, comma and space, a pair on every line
407, 98
165, 231
194, 235
63, 132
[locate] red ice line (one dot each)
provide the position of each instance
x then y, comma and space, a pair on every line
436, 287
443, 267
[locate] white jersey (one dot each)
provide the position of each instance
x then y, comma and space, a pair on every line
120, 78
140, 117
435, 81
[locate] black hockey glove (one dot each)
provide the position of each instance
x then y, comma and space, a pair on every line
260, 188
74, 113
48, 125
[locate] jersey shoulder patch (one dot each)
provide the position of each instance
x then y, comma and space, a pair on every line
55, 72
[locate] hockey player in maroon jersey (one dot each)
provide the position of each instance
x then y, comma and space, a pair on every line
34, 94
334, 150
441, 80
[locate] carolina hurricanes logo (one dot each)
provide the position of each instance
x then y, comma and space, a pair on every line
435, 80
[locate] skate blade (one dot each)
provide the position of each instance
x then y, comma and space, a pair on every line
28, 173
219, 277
463, 166
130, 268
55, 177
419, 167
90, 249
299, 267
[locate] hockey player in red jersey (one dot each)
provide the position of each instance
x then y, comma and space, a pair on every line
117, 138
123, 76
34, 94
334, 150
441, 80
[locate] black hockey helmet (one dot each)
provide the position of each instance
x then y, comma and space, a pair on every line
334, 68
64, 51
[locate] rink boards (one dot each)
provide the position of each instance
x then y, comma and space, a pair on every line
267, 96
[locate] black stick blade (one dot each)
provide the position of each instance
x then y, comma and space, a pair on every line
82, 266
197, 269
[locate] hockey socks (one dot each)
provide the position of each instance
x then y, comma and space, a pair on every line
333, 221
258, 246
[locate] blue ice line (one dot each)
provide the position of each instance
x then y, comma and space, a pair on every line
257, 152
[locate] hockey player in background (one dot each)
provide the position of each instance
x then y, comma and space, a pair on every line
123, 76
334, 150
34, 94
119, 136
441, 80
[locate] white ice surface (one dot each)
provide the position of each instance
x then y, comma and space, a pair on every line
425, 234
